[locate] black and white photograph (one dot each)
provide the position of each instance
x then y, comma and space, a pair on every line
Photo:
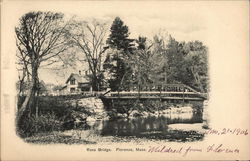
125, 77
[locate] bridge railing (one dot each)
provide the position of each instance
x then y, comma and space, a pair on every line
167, 90
153, 93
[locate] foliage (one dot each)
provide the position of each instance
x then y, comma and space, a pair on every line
144, 64
121, 48
115, 69
118, 37
55, 113
160, 61
167, 61
57, 87
29, 126
187, 64
196, 63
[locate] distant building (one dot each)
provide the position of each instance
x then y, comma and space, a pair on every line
77, 83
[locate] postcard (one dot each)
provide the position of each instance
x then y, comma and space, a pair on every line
125, 80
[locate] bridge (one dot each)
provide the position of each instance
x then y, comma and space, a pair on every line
168, 92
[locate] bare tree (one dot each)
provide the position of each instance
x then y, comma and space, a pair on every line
40, 38
89, 37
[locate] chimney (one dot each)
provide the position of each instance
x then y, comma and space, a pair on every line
79, 72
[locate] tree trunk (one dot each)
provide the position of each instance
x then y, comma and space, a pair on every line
30, 98
36, 104
197, 79
35, 87
199, 82
24, 105
95, 83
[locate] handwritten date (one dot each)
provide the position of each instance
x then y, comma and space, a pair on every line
235, 131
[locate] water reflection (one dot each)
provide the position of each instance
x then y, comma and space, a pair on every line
151, 127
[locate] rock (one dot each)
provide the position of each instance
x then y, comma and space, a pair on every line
135, 113
97, 110
188, 127
91, 105
91, 120
178, 110
182, 115
83, 116
167, 111
119, 115
153, 114
174, 110
84, 112
145, 114
160, 112
186, 109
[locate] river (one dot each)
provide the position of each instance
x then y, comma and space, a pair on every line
173, 127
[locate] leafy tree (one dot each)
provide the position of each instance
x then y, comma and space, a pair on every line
141, 41
161, 61
178, 62
118, 37
175, 58
120, 48
187, 64
142, 63
196, 64
115, 69
146, 64
160, 51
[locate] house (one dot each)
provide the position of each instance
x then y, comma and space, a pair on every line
76, 83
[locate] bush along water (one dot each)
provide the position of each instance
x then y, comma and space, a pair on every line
59, 114
30, 125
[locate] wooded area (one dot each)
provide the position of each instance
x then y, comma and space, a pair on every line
115, 60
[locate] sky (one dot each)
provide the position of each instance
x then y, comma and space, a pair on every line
184, 21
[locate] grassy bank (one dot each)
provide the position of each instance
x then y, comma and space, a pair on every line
88, 137
55, 113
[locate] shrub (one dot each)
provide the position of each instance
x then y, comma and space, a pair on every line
29, 126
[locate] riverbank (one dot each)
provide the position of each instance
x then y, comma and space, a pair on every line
59, 113
88, 137
88, 121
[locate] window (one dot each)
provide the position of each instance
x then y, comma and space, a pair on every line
72, 82
72, 89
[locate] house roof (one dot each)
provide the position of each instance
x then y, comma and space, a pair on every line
63, 88
78, 78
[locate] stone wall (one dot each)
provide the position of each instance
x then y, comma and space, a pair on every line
87, 110
94, 106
